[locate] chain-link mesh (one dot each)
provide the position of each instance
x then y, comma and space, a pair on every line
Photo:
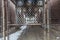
19, 16
32, 15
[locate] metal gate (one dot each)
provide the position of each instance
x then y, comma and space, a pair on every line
27, 13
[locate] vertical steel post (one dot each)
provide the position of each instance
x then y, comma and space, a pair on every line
7, 11
3, 12
48, 19
44, 21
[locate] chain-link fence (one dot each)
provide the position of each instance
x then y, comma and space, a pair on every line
30, 12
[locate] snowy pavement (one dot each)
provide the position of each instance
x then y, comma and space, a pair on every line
16, 35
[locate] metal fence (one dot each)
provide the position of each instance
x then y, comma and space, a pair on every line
27, 12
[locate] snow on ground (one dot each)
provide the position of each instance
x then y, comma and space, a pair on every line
16, 35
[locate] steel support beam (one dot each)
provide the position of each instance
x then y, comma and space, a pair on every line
3, 12
48, 19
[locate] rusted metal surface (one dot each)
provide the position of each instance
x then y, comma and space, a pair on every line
55, 11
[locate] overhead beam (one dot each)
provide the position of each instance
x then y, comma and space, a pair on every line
14, 1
